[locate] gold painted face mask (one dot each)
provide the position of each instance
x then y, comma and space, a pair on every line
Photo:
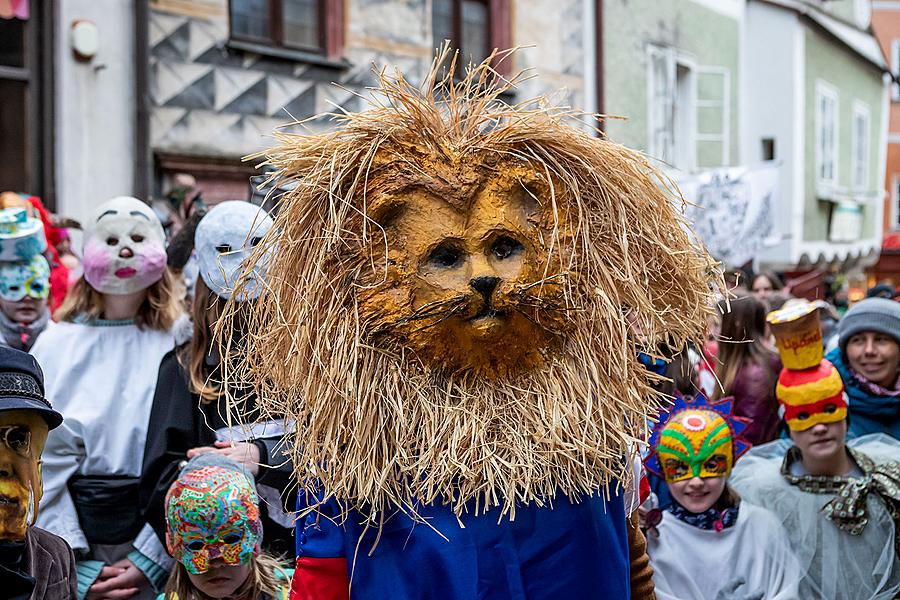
466, 287
22, 437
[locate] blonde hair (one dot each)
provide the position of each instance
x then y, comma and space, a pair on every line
206, 309
263, 579
159, 310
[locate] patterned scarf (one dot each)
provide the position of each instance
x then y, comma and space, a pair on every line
848, 509
873, 388
710, 519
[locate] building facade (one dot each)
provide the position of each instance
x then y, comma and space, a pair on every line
180, 86
770, 114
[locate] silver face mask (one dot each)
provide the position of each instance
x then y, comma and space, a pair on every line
224, 239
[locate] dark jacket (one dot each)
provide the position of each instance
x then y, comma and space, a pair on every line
754, 398
43, 570
179, 421
868, 412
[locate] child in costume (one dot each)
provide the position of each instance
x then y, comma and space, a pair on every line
454, 314
24, 279
214, 532
838, 501
101, 360
708, 544
189, 414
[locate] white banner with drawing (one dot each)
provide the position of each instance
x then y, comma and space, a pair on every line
731, 209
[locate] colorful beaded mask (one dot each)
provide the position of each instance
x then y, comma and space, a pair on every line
26, 278
811, 396
696, 439
212, 512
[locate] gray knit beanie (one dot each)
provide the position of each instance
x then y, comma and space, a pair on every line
872, 314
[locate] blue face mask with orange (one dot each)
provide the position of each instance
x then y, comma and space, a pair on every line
25, 278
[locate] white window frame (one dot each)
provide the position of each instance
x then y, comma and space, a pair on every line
895, 69
678, 149
662, 149
895, 203
725, 137
860, 110
826, 90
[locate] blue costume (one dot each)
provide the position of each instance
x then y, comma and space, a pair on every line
571, 551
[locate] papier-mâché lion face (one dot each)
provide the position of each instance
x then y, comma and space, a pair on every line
466, 289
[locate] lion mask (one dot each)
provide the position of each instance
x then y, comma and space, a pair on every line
456, 298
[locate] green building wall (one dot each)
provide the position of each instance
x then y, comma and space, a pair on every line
828, 61
709, 38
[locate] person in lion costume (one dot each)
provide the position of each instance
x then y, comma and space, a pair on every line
457, 293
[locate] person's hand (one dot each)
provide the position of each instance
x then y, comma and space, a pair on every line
648, 519
243, 453
118, 581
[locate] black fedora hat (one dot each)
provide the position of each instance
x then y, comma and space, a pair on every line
22, 385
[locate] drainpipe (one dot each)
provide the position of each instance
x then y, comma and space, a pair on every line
143, 160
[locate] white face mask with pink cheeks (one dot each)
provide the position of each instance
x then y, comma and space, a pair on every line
124, 247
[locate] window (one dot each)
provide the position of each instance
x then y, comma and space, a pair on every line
826, 133
474, 27
859, 157
307, 25
671, 109
713, 116
26, 153
661, 109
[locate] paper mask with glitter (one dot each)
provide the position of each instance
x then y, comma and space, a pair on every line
212, 512
696, 438
26, 278
124, 247
224, 239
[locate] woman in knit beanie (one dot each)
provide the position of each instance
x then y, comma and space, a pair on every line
868, 360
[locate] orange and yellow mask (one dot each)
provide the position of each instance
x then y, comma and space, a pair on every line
695, 443
811, 396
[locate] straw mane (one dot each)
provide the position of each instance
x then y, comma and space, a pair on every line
383, 422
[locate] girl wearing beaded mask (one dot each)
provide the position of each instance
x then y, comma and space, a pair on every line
214, 532
708, 545
101, 357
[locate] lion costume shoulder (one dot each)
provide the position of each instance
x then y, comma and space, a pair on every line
457, 297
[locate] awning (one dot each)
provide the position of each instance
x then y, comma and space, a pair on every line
14, 9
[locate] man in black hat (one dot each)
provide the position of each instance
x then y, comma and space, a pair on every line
33, 563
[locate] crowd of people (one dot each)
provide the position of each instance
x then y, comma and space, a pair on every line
773, 476
157, 490
811, 511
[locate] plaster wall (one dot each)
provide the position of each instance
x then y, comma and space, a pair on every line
95, 108
768, 98
855, 81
